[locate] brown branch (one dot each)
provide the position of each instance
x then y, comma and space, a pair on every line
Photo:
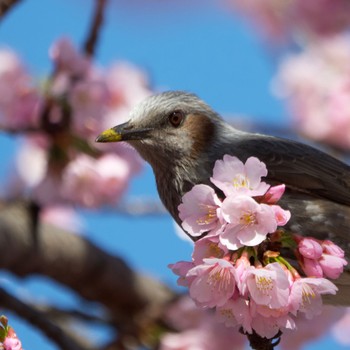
131, 300
96, 23
36, 318
6, 5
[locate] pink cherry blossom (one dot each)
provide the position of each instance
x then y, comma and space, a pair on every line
332, 266
312, 268
319, 102
181, 269
127, 85
207, 247
12, 344
93, 182
214, 282
306, 294
198, 210
332, 249
19, 100
289, 19
282, 216
235, 312
68, 59
268, 327
248, 222
11, 341
233, 177
273, 194
310, 248
88, 100
268, 286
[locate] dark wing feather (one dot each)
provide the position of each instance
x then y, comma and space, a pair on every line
298, 166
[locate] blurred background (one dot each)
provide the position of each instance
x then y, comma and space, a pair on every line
265, 67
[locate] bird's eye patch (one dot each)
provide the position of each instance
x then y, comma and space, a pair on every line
176, 118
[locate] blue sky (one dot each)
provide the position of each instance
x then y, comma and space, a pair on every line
198, 48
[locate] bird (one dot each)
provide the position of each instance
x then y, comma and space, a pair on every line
182, 137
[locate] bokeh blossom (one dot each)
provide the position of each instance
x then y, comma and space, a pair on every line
316, 86
284, 19
19, 100
70, 109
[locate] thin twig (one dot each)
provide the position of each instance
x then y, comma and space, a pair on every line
6, 5
96, 23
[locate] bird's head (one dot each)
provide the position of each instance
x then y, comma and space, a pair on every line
168, 127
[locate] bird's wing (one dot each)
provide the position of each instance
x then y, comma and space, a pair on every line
298, 166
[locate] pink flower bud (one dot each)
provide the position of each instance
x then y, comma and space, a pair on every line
274, 194
310, 248
332, 266
312, 268
332, 249
282, 216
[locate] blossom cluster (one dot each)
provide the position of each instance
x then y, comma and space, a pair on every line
316, 86
281, 19
237, 266
8, 337
58, 161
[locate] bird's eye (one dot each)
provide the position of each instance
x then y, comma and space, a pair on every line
176, 118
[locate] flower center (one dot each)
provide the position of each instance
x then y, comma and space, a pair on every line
209, 215
264, 284
240, 181
220, 279
307, 294
248, 218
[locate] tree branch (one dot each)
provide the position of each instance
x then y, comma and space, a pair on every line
6, 5
96, 23
131, 300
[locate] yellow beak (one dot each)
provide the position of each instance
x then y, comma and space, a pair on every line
110, 135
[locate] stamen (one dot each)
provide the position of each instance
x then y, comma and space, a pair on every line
264, 284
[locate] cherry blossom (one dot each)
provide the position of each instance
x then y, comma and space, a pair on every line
233, 177
12, 344
68, 59
321, 259
248, 222
198, 210
233, 268
268, 285
319, 102
93, 182
273, 194
181, 269
208, 247
19, 100
213, 283
235, 312
310, 248
332, 266
306, 294
280, 20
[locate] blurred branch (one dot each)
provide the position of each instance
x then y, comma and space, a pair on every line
96, 23
131, 300
6, 5
38, 319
